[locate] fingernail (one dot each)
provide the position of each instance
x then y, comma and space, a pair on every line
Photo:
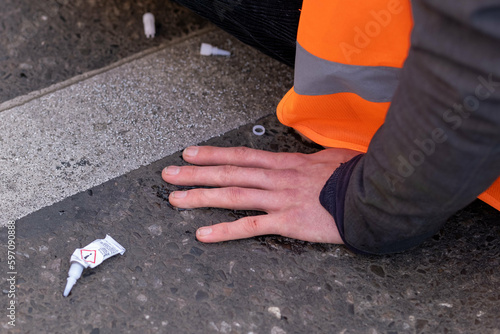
179, 194
191, 151
204, 231
172, 170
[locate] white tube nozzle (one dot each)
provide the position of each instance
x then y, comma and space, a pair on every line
209, 50
149, 25
74, 273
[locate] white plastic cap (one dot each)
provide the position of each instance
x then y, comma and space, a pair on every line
206, 49
149, 25
74, 273
209, 50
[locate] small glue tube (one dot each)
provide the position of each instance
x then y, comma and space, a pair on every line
90, 256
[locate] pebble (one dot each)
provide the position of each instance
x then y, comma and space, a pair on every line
142, 298
275, 311
277, 330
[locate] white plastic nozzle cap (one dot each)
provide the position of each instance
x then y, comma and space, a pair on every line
74, 273
149, 25
209, 50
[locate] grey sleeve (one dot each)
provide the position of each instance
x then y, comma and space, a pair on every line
439, 147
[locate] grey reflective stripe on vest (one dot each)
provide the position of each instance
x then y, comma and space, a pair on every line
317, 76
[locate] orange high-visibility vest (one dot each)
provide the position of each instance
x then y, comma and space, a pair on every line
349, 55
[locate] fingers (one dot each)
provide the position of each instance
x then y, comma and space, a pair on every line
246, 227
239, 156
318, 230
234, 198
219, 176
229, 176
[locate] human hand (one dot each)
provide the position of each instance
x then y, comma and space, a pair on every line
284, 185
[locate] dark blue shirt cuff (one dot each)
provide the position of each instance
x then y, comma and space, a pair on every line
332, 196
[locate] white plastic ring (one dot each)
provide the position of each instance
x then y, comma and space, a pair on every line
259, 130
